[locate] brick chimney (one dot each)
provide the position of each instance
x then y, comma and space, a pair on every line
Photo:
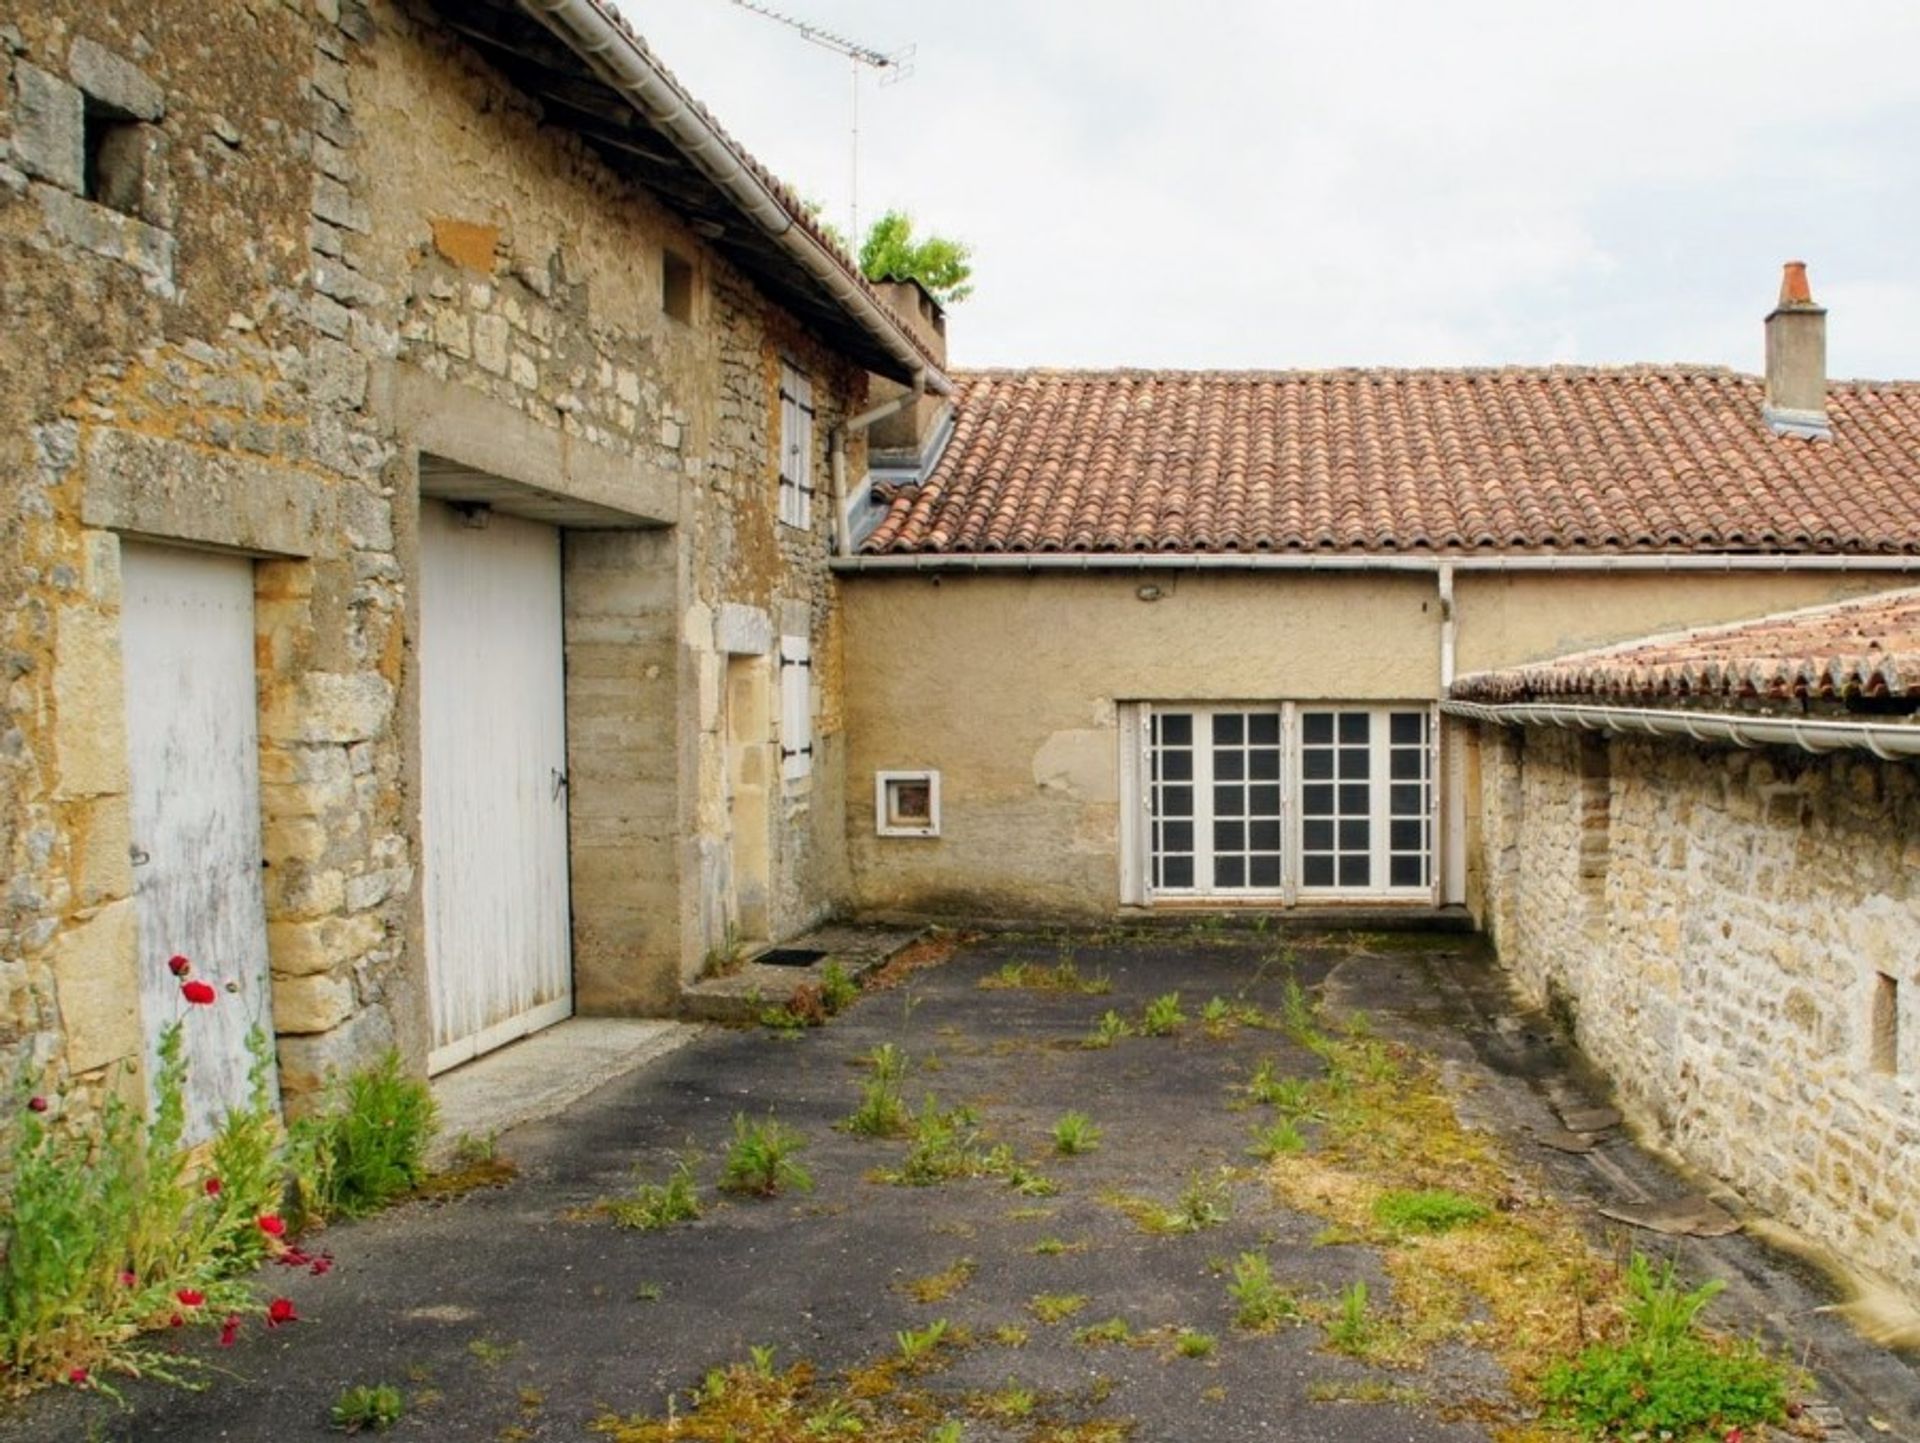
1796, 402
901, 440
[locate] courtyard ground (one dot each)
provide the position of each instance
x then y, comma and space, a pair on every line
1085, 1298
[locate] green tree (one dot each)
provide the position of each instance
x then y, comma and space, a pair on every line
891, 252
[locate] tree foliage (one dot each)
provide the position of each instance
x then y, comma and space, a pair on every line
942, 265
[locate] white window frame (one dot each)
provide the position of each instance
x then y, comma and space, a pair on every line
1136, 825
796, 447
796, 709
883, 782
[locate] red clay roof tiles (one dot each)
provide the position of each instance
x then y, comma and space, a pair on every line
1554, 459
1864, 648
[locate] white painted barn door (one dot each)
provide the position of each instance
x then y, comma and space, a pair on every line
493, 760
194, 764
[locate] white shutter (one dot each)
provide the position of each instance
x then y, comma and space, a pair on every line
796, 707
796, 447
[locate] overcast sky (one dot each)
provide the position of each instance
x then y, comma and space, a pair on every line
1230, 183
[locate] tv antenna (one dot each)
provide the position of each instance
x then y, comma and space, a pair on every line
893, 67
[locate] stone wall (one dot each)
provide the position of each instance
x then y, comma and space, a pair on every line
340, 244
1734, 944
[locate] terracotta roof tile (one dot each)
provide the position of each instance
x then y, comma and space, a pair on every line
1865, 648
1622, 459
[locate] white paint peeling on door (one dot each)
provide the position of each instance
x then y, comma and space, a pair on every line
493, 781
194, 760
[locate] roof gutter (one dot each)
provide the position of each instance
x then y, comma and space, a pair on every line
1729, 561
624, 63
1886, 741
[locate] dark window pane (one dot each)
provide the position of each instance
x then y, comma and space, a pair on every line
1316, 764
1229, 766
1264, 836
1263, 872
1407, 872
1263, 728
1177, 872
1353, 800
1316, 836
1228, 802
1228, 727
1316, 871
1355, 764
1176, 729
1407, 728
1353, 726
1355, 836
1176, 837
1316, 728
1176, 766
1406, 836
1355, 870
1263, 801
1229, 872
1317, 801
1406, 766
1263, 764
1406, 800
1176, 801
1229, 836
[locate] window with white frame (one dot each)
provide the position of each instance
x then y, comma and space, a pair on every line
796, 708
1281, 800
796, 446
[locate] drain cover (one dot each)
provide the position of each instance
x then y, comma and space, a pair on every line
791, 957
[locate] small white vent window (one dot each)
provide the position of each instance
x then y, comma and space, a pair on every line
796, 447
796, 708
906, 804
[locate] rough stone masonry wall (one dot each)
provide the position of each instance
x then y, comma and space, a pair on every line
203, 361
1741, 960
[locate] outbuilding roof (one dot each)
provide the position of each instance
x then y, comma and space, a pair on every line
1645, 459
1849, 651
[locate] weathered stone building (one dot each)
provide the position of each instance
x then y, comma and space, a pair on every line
1701, 851
449, 396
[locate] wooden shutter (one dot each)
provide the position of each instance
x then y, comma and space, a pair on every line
796, 707
796, 447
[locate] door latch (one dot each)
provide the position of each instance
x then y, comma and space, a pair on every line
138, 854
559, 783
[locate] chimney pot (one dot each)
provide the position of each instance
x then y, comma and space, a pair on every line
1796, 398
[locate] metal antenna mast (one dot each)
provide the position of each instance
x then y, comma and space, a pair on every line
894, 66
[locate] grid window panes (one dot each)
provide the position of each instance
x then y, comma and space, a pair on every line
1409, 798
1215, 804
1336, 799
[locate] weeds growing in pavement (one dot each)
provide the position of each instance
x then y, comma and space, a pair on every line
652, 1206
761, 1160
367, 1408
1163, 1016
1074, 1134
1259, 1303
1108, 1030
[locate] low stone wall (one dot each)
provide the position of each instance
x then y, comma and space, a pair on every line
1735, 937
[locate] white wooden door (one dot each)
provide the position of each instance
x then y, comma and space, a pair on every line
493, 763
194, 763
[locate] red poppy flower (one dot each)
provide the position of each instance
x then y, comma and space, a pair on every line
279, 1311
178, 965
128, 1280
36, 1104
272, 1226
78, 1377
177, 1321
212, 1186
322, 1265
198, 993
229, 1330
190, 1297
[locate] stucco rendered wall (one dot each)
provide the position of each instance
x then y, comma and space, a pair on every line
1007, 683
1747, 907
361, 247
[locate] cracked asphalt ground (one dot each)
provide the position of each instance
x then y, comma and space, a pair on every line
517, 1313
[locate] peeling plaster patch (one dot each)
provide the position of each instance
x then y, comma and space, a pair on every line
1078, 763
465, 242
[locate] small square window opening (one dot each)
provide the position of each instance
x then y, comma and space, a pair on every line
907, 804
676, 287
116, 158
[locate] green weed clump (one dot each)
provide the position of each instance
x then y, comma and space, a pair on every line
113, 1229
1075, 1133
881, 1113
368, 1145
1277, 1139
652, 1206
1259, 1303
837, 989
367, 1408
1063, 976
1108, 1030
1163, 1016
1352, 1328
1429, 1210
760, 1159
1663, 1378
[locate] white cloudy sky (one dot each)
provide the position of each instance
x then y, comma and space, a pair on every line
1355, 182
